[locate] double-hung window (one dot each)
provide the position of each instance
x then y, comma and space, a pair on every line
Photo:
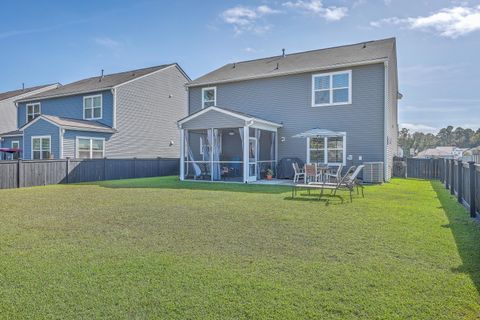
329, 89
90, 148
41, 148
92, 107
209, 97
33, 111
327, 150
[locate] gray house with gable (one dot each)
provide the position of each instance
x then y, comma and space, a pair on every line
243, 116
122, 115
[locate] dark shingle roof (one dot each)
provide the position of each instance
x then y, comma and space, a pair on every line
11, 133
300, 62
14, 93
77, 124
96, 83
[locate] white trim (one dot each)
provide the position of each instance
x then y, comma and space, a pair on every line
330, 90
233, 114
325, 150
11, 146
38, 119
93, 107
254, 177
61, 131
25, 96
182, 154
214, 96
385, 124
77, 151
33, 104
307, 70
11, 135
246, 135
114, 111
41, 149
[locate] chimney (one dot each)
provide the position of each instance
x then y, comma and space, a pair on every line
283, 53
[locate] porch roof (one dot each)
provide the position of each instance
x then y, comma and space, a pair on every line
72, 124
239, 117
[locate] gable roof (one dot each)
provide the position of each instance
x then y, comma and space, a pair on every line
72, 124
97, 83
235, 114
15, 133
14, 93
329, 58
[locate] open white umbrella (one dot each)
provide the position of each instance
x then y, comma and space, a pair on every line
318, 133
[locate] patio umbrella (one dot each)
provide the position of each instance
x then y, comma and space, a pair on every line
319, 133
10, 150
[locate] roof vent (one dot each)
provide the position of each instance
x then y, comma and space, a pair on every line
278, 66
364, 46
101, 77
234, 65
283, 53
23, 86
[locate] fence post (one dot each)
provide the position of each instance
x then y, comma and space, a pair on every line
67, 169
460, 181
473, 208
452, 177
159, 167
104, 169
18, 172
134, 167
445, 169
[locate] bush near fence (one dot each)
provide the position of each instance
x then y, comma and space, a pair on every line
460, 177
19, 174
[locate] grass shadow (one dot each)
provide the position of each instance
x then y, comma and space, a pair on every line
465, 230
173, 182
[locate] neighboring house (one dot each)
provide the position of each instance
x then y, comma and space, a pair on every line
243, 116
8, 114
448, 152
123, 115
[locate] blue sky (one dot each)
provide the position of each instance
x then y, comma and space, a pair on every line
63, 41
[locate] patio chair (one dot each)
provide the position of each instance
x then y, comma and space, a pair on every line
299, 173
334, 176
311, 173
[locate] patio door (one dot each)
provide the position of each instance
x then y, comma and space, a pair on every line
252, 159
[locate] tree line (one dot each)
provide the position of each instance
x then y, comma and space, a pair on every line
419, 141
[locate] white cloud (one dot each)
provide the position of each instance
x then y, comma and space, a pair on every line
316, 7
246, 19
448, 22
252, 50
107, 42
418, 127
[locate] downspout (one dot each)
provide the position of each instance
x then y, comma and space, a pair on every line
114, 111
385, 124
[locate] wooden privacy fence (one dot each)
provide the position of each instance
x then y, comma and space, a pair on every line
19, 174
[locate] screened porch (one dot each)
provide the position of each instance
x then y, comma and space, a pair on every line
226, 152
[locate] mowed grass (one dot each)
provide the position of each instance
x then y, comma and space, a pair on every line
159, 248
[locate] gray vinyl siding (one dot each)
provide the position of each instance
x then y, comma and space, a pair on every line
70, 141
287, 100
214, 119
8, 110
147, 111
392, 113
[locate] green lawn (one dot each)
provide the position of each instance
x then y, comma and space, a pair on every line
158, 248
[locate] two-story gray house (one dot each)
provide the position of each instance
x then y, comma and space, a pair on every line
243, 116
123, 115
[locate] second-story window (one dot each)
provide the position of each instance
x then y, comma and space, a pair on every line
92, 107
33, 111
332, 88
209, 97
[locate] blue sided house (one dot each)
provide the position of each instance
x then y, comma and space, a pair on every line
122, 115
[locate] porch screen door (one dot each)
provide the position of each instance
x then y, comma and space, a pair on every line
252, 159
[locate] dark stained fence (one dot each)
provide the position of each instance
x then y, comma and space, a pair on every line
18, 174
461, 178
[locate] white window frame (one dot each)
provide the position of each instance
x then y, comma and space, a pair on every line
325, 151
331, 74
77, 146
214, 96
41, 150
17, 142
33, 112
101, 107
